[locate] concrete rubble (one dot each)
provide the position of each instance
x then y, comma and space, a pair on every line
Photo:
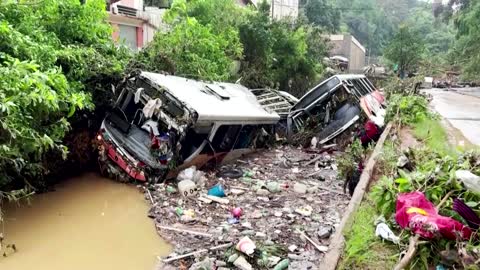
284, 203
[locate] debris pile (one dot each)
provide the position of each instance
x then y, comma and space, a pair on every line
272, 210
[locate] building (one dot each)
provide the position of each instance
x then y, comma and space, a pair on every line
133, 23
346, 45
278, 8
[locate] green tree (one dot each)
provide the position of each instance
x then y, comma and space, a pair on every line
465, 52
56, 57
405, 50
323, 14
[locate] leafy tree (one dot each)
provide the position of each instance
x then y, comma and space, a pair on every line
465, 52
202, 41
405, 50
323, 14
56, 57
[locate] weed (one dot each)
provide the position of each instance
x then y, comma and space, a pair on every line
363, 249
431, 132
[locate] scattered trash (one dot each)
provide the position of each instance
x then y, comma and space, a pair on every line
187, 188
413, 210
300, 188
295, 170
242, 264
246, 245
217, 191
282, 265
231, 173
305, 210
324, 232
233, 220
237, 212
268, 218
292, 248
466, 213
386, 233
470, 180
273, 187
191, 174
171, 189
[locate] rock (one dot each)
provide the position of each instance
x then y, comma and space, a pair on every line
324, 232
220, 263
273, 187
303, 265
247, 225
235, 191
305, 210
263, 192
232, 258
242, 264
257, 214
273, 260
261, 235
248, 232
292, 248
300, 188
402, 161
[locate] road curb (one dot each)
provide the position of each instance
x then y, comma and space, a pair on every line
337, 241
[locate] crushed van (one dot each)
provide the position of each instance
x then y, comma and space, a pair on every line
162, 124
335, 105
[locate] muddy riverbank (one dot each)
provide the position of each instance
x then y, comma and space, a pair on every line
88, 222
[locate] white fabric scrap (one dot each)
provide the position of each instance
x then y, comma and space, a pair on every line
138, 94
151, 106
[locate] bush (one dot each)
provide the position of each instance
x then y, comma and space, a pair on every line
56, 57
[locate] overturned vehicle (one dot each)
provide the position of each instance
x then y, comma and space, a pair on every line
162, 124
336, 104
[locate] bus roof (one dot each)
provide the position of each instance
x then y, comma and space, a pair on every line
215, 101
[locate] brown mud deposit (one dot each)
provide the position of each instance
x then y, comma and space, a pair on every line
274, 207
89, 222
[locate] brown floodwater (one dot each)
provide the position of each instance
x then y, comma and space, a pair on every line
89, 222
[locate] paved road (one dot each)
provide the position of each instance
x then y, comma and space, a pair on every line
461, 108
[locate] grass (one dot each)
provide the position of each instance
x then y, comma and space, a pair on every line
363, 249
434, 136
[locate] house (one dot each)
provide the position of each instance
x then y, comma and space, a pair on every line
134, 23
278, 8
347, 46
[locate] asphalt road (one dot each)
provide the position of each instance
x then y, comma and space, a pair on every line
461, 107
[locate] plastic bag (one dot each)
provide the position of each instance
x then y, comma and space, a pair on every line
470, 180
192, 174
414, 211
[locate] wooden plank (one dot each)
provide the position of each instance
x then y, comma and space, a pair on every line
338, 241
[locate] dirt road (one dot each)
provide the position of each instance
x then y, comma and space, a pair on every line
461, 108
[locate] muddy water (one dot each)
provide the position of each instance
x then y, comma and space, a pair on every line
88, 223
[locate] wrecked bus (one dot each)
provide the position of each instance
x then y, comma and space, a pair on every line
336, 104
162, 124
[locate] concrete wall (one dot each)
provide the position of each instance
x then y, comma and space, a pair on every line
348, 46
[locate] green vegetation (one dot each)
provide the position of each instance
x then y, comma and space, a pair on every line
54, 59
218, 40
405, 50
363, 249
433, 135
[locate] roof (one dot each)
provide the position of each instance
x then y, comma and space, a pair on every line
320, 90
214, 101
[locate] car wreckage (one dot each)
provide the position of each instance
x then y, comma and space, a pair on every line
162, 124
335, 105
